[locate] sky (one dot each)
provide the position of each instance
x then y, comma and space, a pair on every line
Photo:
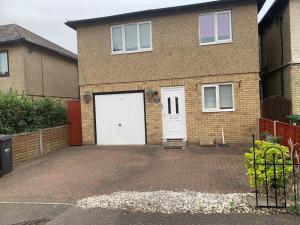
46, 17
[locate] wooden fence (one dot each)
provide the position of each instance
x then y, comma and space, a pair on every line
27, 146
266, 125
284, 130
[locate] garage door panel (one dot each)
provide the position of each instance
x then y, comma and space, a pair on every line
120, 119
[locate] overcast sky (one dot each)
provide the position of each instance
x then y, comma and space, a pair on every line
46, 17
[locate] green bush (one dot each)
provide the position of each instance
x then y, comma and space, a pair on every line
270, 138
294, 119
19, 113
261, 147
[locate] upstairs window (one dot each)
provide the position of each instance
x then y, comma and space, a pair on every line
117, 39
215, 28
3, 64
135, 37
217, 97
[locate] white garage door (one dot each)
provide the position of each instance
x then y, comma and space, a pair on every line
120, 119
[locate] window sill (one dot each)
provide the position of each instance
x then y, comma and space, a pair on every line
218, 110
131, 52
216, 43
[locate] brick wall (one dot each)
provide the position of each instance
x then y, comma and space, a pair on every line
295, 88
27, 146
201, 127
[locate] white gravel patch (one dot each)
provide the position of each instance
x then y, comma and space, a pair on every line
171, 202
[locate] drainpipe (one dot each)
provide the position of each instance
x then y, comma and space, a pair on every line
282, 58
42, 67
261, 66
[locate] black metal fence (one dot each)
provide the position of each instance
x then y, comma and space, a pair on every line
276, 177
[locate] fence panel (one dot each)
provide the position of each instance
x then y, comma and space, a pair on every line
297, 134
25, 147
28, 146
284, 130
54, 138
266, 125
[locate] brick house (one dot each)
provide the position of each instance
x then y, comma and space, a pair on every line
34, 66
173, 74
280, 47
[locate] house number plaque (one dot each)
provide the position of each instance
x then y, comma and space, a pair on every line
156, 99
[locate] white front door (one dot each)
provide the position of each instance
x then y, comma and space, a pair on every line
120, 119
173, 113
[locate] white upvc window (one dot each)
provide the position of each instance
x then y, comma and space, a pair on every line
130, 38
215, 28
4, 64
218, 97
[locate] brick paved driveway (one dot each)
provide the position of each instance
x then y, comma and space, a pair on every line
72, 173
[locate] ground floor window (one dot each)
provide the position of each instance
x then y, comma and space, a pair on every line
217, 97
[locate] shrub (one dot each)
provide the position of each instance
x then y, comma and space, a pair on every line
270, 138
19, 113
294, 119
278, 180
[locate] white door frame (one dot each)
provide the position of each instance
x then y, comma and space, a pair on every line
183, 114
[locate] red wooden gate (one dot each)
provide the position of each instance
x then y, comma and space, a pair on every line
74, 122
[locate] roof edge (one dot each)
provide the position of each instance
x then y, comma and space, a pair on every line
52, 50
23, 40
76, 23
269, 11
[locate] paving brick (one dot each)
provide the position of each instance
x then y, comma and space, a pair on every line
77, 172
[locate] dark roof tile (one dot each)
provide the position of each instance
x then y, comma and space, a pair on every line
14, 33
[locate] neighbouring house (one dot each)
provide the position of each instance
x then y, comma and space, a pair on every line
280, 47
172, 74
34, 66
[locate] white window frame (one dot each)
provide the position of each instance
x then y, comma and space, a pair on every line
7, 60
217, 109
138, 39
216, 28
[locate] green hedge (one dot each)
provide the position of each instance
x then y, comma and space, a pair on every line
19, 113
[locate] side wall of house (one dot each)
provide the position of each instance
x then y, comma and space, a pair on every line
295, 46
51, 75
15, 80
272, 56
295, 30
272, 82
273, 49
295, 88
271, 42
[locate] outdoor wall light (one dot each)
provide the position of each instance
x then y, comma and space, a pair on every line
151, 93
87, 97
152, 96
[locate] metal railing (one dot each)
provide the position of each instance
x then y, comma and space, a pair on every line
279, 186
